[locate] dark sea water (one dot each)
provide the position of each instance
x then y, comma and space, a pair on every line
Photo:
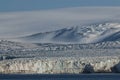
61, 77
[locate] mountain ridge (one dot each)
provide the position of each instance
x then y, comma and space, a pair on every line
79, 34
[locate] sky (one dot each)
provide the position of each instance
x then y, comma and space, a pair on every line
24, 17
28, 5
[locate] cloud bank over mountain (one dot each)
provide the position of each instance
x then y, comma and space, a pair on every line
29, 22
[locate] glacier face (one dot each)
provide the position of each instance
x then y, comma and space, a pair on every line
61, 65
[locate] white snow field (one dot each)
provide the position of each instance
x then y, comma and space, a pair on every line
83, 49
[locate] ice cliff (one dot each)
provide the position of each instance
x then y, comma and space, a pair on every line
61, 65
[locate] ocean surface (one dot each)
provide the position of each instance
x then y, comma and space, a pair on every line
99, 76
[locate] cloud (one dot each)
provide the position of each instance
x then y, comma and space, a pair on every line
24, 23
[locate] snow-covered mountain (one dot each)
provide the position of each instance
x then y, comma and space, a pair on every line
63, 35
81, 34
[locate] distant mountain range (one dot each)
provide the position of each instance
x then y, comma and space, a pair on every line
83, 34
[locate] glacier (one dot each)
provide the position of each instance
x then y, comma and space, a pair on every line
91, 48
29, 58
